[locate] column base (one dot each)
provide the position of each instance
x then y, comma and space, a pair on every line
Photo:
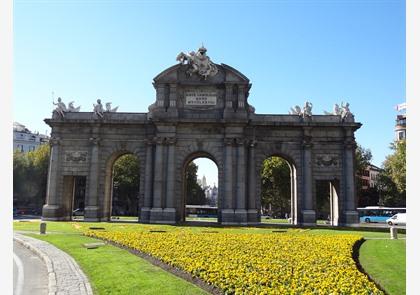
54, 213
169, 215
92, 213
252, 216
241, 216
227, 216
351, 218
144, 216
308, 218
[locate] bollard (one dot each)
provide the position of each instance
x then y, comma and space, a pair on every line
394, 232
42, 228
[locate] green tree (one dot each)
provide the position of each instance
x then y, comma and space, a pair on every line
126, 179
363, 157
30, 175
275, 186
392, 180
195, 194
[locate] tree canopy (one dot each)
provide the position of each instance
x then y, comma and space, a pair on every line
126, 179
275, 186
195, 193
392, 180
30, 174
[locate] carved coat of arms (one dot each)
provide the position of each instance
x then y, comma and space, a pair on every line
199, 63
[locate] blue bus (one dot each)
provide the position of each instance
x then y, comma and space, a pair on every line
377, 213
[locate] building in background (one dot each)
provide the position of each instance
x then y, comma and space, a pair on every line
400, 123
211, 195
370, 176
26, 141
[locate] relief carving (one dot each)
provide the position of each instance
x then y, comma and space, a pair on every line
76, 156
327, 161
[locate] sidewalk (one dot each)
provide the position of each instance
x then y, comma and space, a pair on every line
64, 275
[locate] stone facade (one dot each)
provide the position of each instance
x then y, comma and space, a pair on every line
195, 117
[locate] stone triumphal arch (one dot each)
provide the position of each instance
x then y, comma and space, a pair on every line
201, 109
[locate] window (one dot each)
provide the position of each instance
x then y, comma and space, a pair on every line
401, 135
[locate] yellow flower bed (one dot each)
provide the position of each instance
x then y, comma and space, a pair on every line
275, 263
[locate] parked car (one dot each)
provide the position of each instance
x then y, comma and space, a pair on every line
397, 219
78, 212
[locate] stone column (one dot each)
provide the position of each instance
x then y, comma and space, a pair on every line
148, 184
158, 181
240, 210
92, 208
293, 194
252, 206
160, 95
350, 214
308, 212
241, 97
169, 213
172, 96
228, 99
227, 209
51, 210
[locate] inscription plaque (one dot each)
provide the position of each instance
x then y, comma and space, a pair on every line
200, 97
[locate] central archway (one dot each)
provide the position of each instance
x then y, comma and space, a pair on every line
200, 189
277, 201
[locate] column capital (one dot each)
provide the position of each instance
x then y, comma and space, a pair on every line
229, 141
252, 143
54, 141
350, 145
307, 142
240, 141
158, 140
170, 140
94, 140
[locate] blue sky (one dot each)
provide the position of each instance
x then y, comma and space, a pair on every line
292, 51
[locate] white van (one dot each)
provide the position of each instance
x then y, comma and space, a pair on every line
397, 219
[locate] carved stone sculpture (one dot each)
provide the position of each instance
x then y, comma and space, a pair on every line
336, 111
295, 111
71, 107
327, 161
98, 109
345, 111
199, 63
61, 107
307, 109
109, 109
76, 156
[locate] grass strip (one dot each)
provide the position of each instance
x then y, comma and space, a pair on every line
112, 270
384, 261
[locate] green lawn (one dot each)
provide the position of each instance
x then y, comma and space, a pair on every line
110, 267
112, 270
384, 261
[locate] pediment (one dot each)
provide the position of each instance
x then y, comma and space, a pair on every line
179, 74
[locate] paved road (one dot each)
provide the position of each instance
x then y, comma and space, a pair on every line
30, 275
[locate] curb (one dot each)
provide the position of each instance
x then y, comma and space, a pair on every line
53, 288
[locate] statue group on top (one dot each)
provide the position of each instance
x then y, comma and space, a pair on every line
199, 63
98, 109
61, 108
343, 111
306, 111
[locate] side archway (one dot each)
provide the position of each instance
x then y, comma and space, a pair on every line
291, 159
